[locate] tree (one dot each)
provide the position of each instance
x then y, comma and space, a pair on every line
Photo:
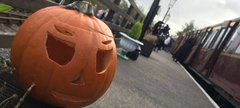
187, 27
142, 9
124, 5
136, 30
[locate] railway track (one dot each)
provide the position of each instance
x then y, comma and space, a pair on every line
12, 18
9, 24
10, 21
10, 92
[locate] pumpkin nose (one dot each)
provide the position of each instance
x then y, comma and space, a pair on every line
78, 80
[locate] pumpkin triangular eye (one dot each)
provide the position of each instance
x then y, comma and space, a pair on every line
104, 58
58, 51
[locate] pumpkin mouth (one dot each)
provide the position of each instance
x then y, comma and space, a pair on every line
104, 58
68, 98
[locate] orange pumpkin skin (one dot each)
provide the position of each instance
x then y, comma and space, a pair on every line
71, 57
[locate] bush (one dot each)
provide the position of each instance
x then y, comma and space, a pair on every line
5, 8
136, 30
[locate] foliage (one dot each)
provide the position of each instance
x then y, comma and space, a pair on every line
142, 9
133, 13
123, 5
98, 3
187, 27
136, 30
5, 65
5, 8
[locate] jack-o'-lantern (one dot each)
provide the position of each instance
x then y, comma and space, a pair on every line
70, 57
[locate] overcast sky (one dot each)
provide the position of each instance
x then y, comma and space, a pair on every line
203, 12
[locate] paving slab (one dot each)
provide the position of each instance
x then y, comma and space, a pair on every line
155, 82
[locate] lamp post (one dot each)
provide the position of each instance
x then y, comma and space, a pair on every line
149, 18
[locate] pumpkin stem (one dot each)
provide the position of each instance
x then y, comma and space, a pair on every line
81, 6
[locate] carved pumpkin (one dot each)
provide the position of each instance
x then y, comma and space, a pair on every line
70, 56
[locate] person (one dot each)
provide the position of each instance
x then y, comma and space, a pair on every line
168, 43
157, 28
118, 20
182, 54
99, 13
104, 15
129, 25
95, 8
159, 44
166, 30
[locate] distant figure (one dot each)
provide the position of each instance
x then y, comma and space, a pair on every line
118, 20
167, 44
95, 8
129, 25
157, 28
99, 13
166, 30
182, 54
159, 44
167, 41
104, 15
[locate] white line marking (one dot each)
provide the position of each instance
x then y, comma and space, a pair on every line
210, 99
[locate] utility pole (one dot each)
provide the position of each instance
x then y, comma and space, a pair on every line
166, 14
170, 5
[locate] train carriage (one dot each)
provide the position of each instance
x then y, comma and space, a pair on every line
215, 56
226, 73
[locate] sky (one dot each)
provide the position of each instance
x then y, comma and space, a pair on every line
203, 12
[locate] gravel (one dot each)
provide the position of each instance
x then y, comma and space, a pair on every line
5, 53
5, 64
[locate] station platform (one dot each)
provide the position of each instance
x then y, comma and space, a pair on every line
155, 82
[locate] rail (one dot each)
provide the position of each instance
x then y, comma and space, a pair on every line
12, 18
34, 5
9, 18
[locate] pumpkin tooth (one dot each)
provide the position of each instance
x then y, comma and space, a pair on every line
71, 98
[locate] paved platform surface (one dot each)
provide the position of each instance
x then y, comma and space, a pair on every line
155, 82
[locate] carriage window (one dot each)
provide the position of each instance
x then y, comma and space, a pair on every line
234, 41
237, 50
204, 37
218, 39
228, 30
199, 37
210, 38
